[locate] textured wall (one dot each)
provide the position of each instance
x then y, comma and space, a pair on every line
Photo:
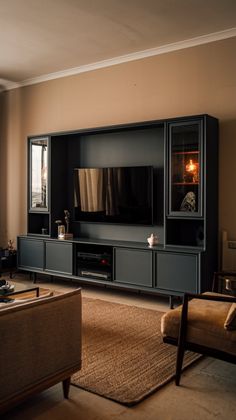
190, 81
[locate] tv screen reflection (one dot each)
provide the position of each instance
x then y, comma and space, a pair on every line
113, 195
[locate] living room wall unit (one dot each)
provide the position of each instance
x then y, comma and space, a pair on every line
180, 159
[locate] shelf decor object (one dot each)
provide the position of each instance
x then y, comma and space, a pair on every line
61, 232
189, 202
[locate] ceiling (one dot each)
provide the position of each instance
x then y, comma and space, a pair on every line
41, 37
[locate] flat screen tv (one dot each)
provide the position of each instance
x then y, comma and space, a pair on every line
114, 195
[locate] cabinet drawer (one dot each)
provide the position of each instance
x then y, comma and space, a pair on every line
176, 272
30, 253
59, 257
133, 267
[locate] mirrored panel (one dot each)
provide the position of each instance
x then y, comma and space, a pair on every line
39, 174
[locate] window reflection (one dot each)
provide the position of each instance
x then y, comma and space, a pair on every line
39, 171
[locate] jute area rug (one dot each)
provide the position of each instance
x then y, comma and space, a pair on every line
123, 356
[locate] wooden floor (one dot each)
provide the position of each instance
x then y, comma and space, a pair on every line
207, 390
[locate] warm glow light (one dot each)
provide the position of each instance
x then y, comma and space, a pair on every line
192, 168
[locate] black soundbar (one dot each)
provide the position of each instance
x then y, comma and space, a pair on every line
89, 256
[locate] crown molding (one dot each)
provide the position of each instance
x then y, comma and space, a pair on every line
8, 85
193, 42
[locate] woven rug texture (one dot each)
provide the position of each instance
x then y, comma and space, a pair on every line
123, 356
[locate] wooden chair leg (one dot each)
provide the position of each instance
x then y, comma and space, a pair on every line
171, 304
66, 387
181, 339
179, 363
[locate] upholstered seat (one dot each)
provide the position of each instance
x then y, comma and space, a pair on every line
200, 326
205, 324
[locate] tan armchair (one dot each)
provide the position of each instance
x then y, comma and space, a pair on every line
40, 346
204, 324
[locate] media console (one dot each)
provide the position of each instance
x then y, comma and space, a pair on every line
118, 264
183, 182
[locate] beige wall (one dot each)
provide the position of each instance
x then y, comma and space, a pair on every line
191, 81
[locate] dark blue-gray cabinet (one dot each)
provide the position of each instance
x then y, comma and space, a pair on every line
30, 254
177, 272
133, 267
40, 255
120, 184
59, 257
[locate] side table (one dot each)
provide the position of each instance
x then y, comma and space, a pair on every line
224, 282
7, 261
6, 297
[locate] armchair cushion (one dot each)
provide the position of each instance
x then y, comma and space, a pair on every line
230, 322
206, 320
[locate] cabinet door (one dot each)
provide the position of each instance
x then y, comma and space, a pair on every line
59, 257
185, 169
30, 253
177, 272
133, 267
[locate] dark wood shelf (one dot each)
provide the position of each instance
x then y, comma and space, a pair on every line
185, 183
194, 152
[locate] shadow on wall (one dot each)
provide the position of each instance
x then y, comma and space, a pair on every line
12, 153
3, 154
227, 177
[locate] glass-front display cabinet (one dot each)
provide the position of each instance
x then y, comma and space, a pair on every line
38, 193
185, 169
38, 174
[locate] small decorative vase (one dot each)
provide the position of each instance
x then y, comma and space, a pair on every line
152, 240
61, 232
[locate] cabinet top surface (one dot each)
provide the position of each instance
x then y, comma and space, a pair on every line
132, 125
117, 243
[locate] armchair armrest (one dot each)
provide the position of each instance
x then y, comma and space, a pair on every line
219, 298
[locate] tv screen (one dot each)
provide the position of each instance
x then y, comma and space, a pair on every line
114, 195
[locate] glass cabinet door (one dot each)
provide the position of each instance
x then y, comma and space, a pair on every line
185, 169
38, 164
